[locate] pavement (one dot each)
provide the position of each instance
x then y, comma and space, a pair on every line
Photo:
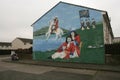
100, 67
34, 71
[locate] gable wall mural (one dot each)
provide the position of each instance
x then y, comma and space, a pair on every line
69, 33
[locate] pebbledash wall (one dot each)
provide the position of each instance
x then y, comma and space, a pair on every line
86, 22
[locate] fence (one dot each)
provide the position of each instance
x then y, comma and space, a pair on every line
112, 48
5, 52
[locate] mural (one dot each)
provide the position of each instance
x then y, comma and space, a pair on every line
69, 33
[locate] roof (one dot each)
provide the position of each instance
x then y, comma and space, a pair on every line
69, 4
25, 40
5, 44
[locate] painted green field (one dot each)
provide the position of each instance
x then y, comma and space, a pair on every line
92, 50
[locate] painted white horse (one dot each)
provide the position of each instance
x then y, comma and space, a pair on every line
58, 32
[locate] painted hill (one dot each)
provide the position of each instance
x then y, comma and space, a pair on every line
43, 30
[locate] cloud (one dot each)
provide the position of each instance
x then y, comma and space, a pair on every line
16, 16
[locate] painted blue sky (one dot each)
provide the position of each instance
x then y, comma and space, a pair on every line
68, 16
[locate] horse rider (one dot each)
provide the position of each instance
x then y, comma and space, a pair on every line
55, 25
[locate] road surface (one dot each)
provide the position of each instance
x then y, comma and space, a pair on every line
13, 71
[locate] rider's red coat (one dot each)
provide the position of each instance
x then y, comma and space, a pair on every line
56, 24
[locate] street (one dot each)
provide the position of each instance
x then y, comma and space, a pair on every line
13, 71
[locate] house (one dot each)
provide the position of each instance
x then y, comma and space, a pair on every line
5, 45
21, 43
51, 30
108, 34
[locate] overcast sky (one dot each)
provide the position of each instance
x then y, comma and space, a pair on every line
16, 16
